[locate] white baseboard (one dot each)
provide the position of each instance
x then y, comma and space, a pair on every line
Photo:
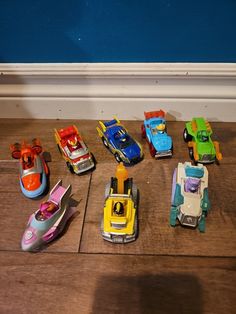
99, 91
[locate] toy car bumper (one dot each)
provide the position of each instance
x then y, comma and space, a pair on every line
83, 166
118, 238
38, 192
163, 154
187, 220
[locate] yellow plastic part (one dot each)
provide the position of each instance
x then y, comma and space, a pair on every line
127, 219
121, 175
194, 126
217, 148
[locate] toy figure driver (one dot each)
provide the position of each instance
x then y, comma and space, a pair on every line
73, 143
27, 160
119, 208
46, 210
161, 127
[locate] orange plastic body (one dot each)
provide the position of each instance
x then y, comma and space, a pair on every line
121, 175
154, 114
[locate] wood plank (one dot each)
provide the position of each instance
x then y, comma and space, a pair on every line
15, 209
75, 283
154, 178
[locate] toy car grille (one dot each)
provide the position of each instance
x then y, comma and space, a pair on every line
84, 164
189, 221
206, 157
118, 225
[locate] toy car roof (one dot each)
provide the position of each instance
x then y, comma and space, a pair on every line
68, 132
154, 114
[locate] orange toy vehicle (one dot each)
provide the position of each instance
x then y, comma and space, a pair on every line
73, 150
33, 168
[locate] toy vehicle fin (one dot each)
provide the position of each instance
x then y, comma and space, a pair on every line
217, 148
102, 126
154, 114
99, 132
15, 150
36, 146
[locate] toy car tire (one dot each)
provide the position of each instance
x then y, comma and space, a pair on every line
105, 142
187, 137
107, 190
59, 149
152, 150
191, 154
143, 131
117, 157
70, 167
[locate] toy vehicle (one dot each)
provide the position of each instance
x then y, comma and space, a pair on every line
120, 217
73, 150
116, 138
198, 136
154, 130
33, 168
49, 220
190, 203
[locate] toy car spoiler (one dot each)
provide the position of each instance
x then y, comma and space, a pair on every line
105, 125
17, 149
59, 194
154, 114
66, 132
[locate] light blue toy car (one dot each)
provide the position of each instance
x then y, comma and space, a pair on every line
154, 130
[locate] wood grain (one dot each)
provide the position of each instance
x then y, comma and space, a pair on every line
71, 283
166, 270
16, 209
155, 235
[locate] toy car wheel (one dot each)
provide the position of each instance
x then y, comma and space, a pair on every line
117, 157
152, 150
105, 142
59, 149
70, 167
143, 131
191, 154
187, 137
107, 190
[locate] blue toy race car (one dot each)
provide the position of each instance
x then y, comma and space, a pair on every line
116, 138
154, 130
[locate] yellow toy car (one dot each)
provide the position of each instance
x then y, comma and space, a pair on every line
120, 218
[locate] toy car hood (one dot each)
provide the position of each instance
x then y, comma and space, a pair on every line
132, 151
162, 142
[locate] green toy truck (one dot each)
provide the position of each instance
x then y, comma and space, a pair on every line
202, 149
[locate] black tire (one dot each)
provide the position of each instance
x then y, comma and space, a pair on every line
59, 149
191, 154
187, 137
117, 157
70, 167
105, 142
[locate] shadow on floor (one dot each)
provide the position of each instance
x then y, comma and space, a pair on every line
167, 293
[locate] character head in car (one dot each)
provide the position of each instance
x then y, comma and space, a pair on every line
73, 142
192, 185
119, 209
161, 127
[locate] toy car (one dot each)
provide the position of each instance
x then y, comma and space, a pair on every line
120, 217
116, 138
190, 203
154, 130
73, 150
198, 136
33, 168
49, 220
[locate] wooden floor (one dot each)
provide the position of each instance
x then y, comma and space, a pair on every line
167, 270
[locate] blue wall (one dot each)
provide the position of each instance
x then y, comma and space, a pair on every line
118, 31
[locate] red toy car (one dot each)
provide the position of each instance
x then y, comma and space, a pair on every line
73, 150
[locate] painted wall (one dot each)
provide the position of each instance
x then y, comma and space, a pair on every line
118, 31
